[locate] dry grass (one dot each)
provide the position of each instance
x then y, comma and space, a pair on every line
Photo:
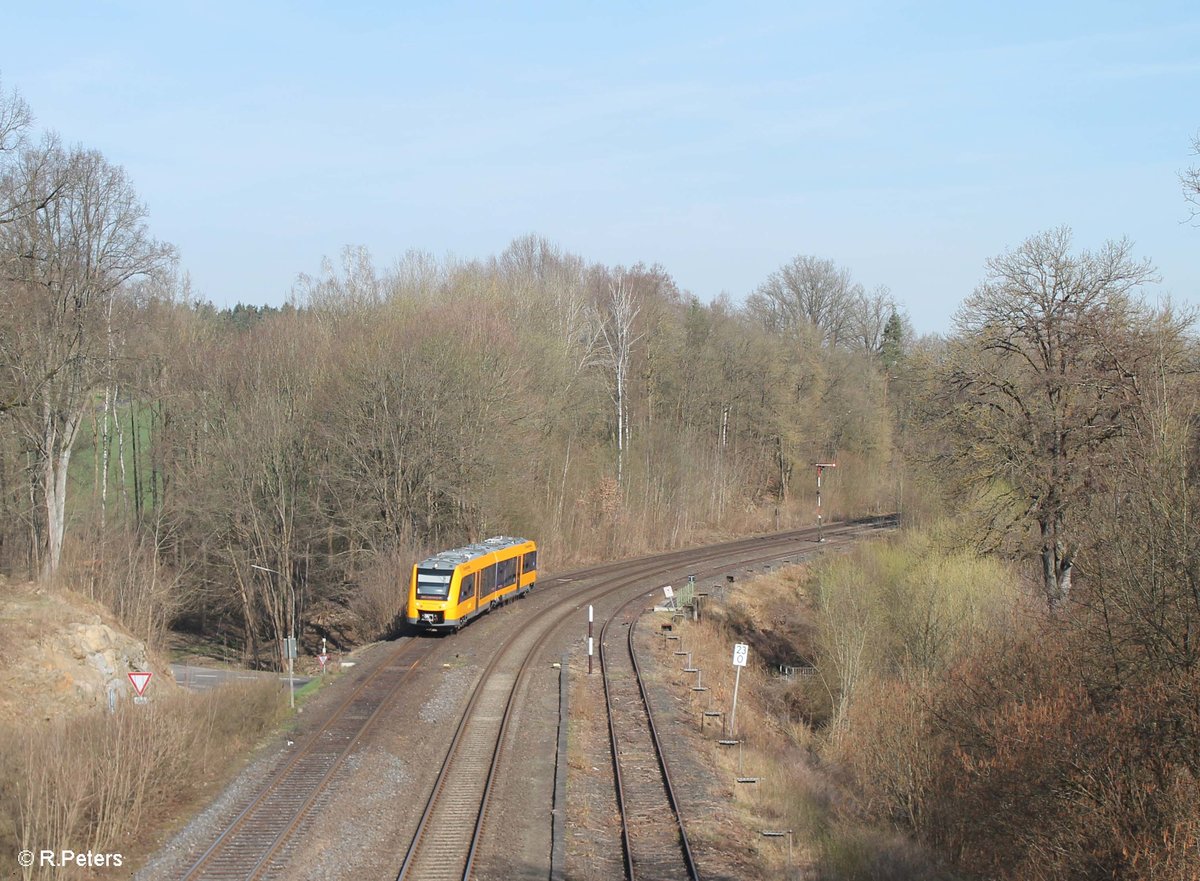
123, 571
108, 782
797, 790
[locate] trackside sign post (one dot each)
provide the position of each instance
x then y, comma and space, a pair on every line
821, 466
140, 681
741, 652
590, 641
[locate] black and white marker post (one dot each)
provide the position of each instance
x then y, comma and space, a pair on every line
821, 466
590, 641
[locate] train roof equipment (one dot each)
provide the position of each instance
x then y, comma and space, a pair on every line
456, 556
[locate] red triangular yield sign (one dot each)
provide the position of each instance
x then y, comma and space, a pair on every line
140, 681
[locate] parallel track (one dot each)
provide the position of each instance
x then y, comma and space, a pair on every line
654, 836
441, 849
255, 844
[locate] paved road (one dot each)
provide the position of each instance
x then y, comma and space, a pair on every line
204, 678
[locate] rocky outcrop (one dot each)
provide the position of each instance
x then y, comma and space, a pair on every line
95, 660
65, 655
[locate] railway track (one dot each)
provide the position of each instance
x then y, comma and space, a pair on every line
441, 848
252, 844
450, 830
653, 835
256, 843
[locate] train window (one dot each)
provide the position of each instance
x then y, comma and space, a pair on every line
531, 561
466, 590
433, 584
489, 580
506, 572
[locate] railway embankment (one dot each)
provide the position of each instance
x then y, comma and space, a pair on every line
832, 740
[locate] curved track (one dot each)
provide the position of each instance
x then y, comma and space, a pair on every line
255, 844
450, 828
654, 836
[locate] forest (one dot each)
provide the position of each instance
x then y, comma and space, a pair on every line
232, 471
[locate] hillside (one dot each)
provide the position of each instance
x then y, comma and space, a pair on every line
62, 653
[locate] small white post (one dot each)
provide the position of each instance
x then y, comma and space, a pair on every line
290, 642
821, 466
740, 652
737, 678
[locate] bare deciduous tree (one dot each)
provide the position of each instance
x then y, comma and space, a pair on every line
808, 291
1191, 181
15, 120
62, 264
616, 316
1046, 369
870, 318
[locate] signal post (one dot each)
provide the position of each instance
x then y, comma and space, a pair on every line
821, 466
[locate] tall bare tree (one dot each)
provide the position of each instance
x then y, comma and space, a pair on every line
870, 318
618, 315
808, 291
1046, 370
64, 258
15, 120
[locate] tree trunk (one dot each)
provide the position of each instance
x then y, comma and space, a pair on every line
55, 459
103, 450
54, 488
1057, 562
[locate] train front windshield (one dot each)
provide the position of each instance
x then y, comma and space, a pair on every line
433, 584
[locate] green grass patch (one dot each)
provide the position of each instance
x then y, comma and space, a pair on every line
310, 688
128, 473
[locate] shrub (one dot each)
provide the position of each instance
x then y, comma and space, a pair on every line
102, 781
902, 608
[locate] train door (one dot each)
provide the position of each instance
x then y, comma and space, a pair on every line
488, 586
466, 590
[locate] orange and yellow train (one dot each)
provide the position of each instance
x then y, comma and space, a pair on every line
449, 589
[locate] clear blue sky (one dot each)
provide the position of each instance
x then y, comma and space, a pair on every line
908, 142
